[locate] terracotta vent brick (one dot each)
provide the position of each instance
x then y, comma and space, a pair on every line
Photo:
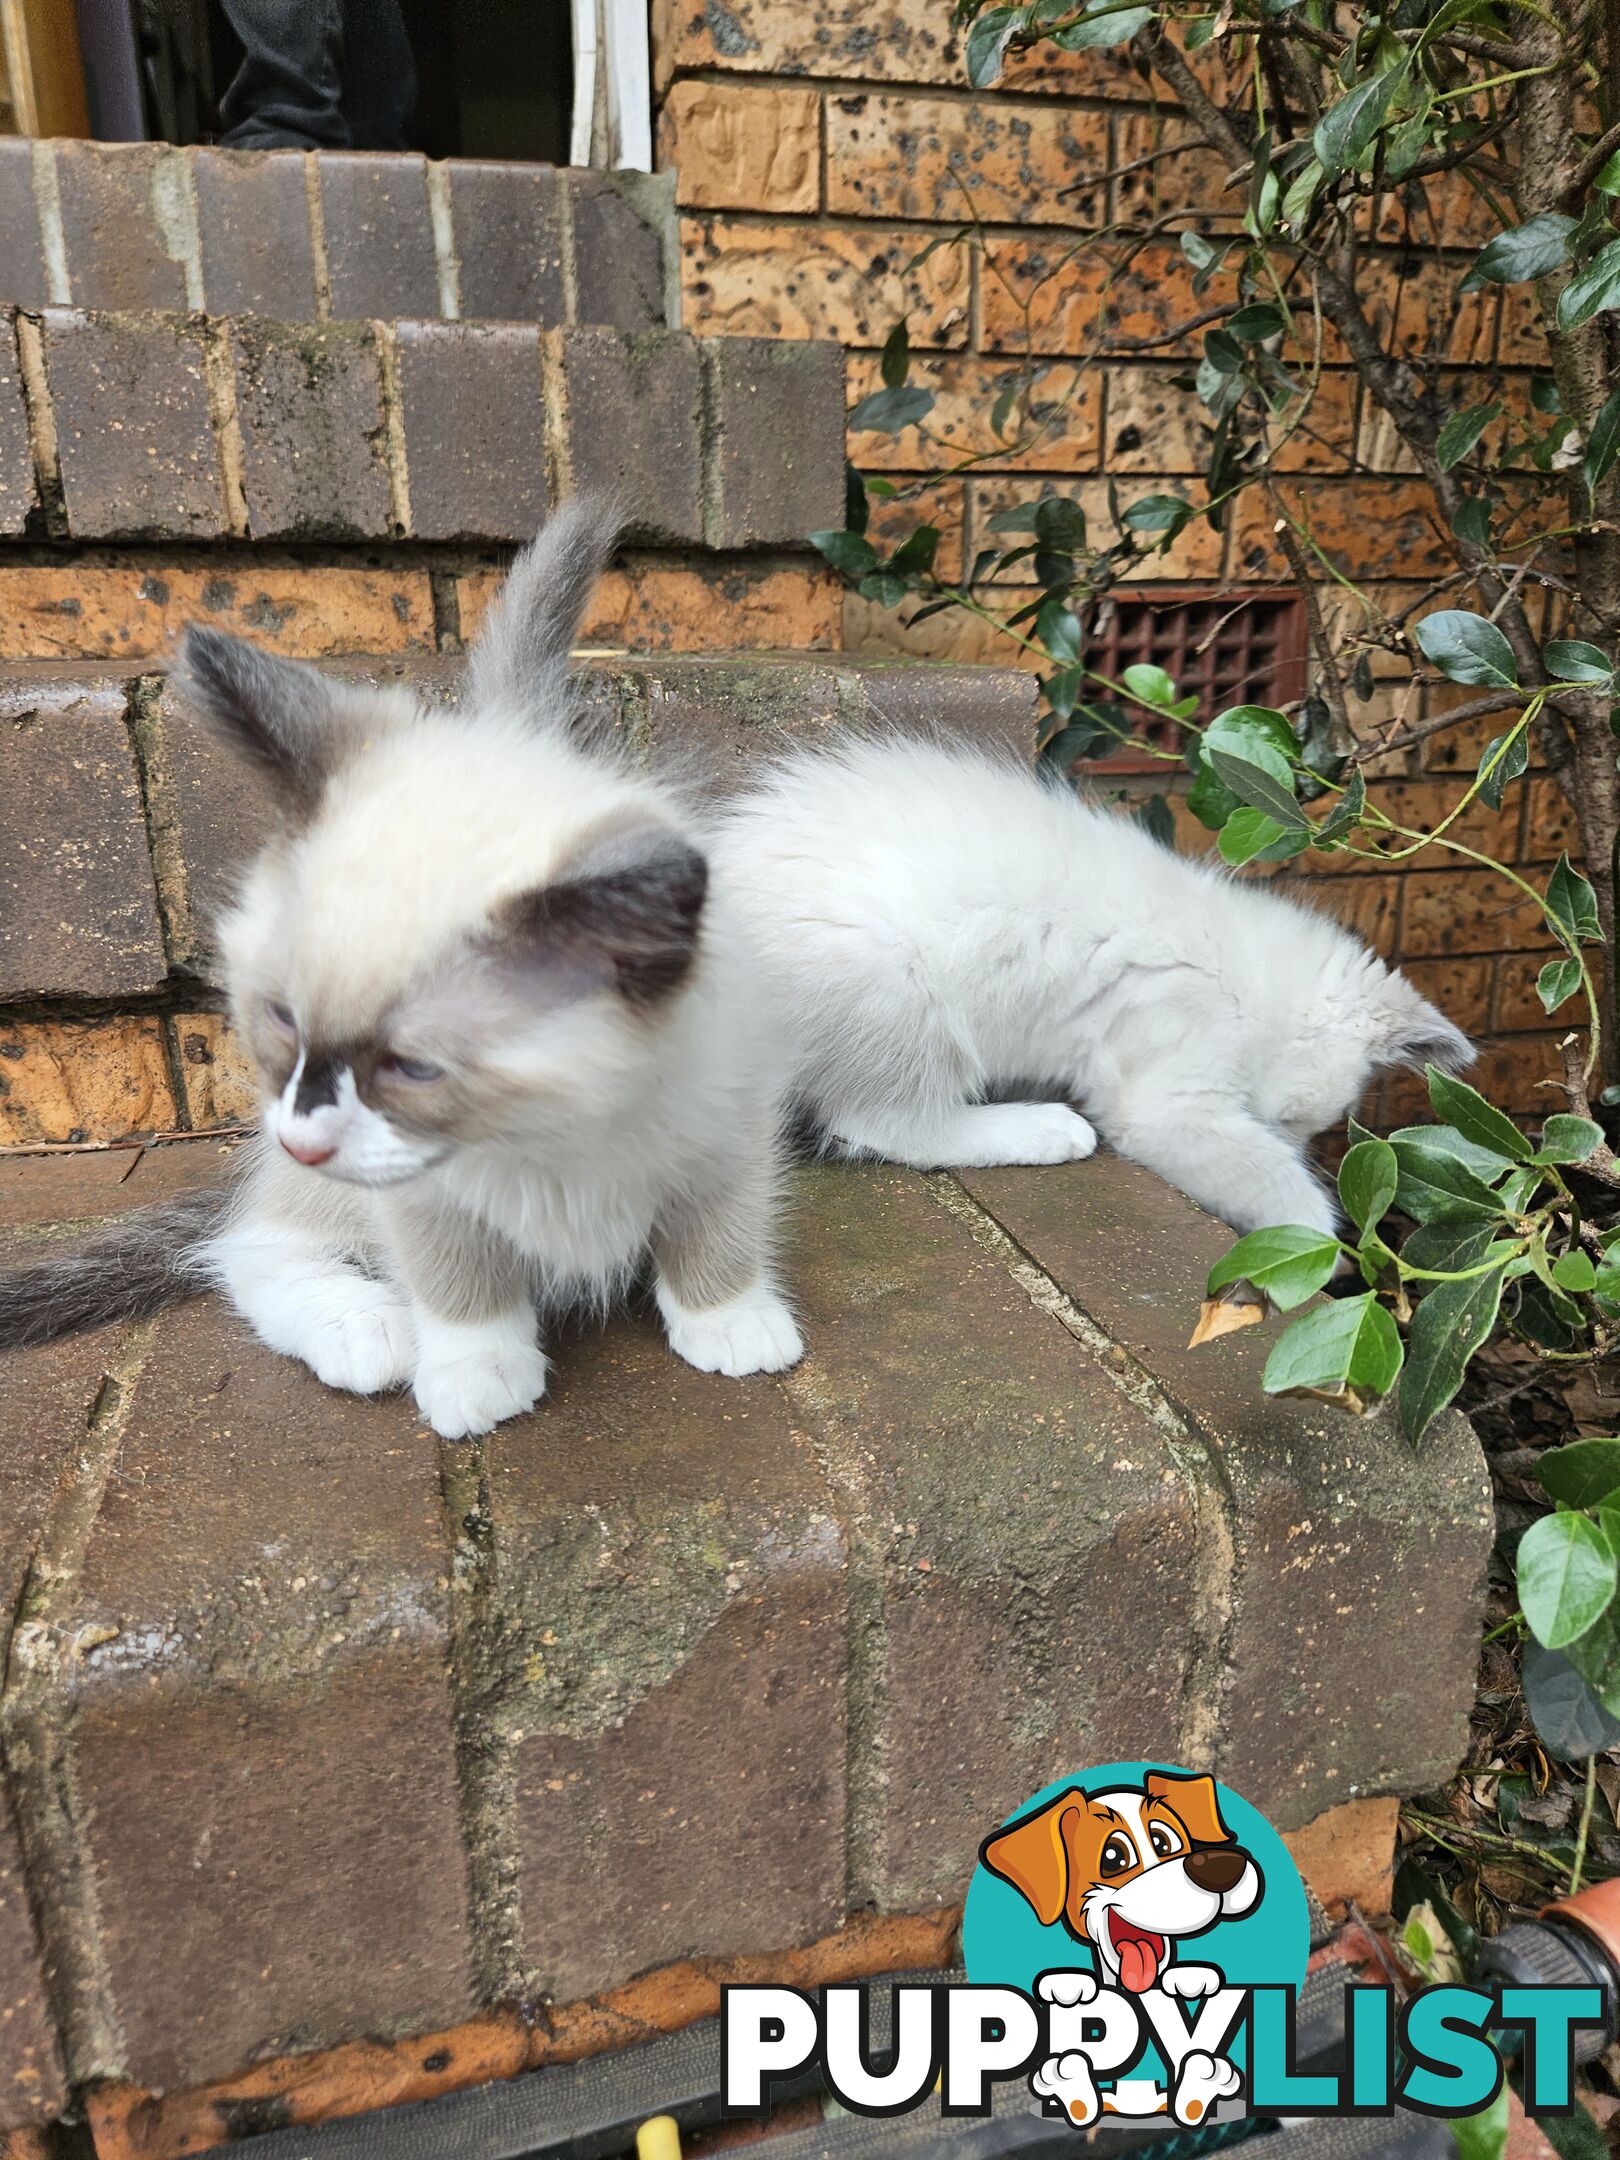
1231, 648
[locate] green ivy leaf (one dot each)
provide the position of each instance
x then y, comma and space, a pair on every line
1288, 1263
1506, 758
1472, 521
1603, 444
890, 412
1572, 905
1447, 1328
1592, 291
1460, 434
1301, 196
1573, 1271
1558, 981
1058, 629
1583, 1473
1103, 29
1574, 660
1566, 1139
1484, 2134
1157, 514
1060, 524
1345, 132
1436, 1186
1254, 324
1524, 251
1567, 1577
987, 45
1367, 1179
1350, 1345
1250, 836
1607, 181
1262, 786
1151, 684
1468, 649
1345, 815
850, 552
1565, 1709
1457, 1104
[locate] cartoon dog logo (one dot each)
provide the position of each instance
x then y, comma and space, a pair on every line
1131, 1873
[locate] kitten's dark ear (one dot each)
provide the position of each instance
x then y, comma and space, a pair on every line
520, 656
628, 915
1414, 1033
281, 716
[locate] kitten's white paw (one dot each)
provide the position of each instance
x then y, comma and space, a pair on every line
748, 1334
1017, 1133
471, 1375
462, 1397
359, 1335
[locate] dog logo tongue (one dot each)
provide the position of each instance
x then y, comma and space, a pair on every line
1140, 1954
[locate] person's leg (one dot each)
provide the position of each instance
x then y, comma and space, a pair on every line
379, 75
288, 91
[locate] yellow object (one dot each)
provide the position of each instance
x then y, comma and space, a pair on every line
659, 2138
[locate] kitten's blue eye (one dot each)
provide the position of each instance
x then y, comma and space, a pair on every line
282, 1015
406, 1068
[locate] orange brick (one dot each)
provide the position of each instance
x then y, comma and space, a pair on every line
1440, 211
819, 281
1467, 911
737, 147
134, 612
1172, 171
1057, 296
1520, 1073
1005, 161
1380, 446
1461, 989
1370, 906
1316, 431
1434, 320
1550, 829
1522, 339
1055, 417
1459, 749
651, 608
890, 41
1195, 553
1347, 1855
1154, 426
940, 503
214, 1071
83, 1080
1362, 526
953, 634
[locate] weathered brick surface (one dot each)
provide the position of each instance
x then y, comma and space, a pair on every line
125, 217
1072, 1493
673, 1613
736, 148
215, 1074
17, 492
1052, 427
133, 611
22, 259
473, 413
309, 403
811, 281
130, 397
1348, 1658
263, 1738
255, 251
33, 2089
618, 255
508, 225
775, 441
1015, 162
83, 1080
670, 608
208, 812
78, 912
379, 238
626, 414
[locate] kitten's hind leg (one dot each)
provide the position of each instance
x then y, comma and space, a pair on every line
715, 1289
971, 1136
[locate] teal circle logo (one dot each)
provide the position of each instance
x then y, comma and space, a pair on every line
1086, 1849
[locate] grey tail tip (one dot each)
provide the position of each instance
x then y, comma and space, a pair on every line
135, 1268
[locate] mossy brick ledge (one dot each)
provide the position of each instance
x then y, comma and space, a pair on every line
675, 1667
332, 235
189, 427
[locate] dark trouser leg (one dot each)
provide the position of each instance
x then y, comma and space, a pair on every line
319, 74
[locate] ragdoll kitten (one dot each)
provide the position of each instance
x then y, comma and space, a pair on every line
507, 1038
937, 926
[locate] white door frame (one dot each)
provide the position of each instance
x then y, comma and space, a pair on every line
612, 85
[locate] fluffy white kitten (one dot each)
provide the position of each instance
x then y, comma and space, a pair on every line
509, 1044
937, 927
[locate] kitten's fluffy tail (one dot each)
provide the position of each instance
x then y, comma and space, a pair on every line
129, 1271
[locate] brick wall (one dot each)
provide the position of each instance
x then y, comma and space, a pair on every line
819, 146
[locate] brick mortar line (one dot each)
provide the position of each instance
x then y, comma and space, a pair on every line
866, 1635
485, 1776
40, 418
36, 1727
320, 267
48, 209
1208, 1488
395, 457
1015, 98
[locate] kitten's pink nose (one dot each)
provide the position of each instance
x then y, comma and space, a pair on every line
307, 1153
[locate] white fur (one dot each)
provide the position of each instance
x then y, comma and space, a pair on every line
471, 1375
938, 926
748, 1334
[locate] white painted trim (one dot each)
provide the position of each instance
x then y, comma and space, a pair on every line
612, 122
